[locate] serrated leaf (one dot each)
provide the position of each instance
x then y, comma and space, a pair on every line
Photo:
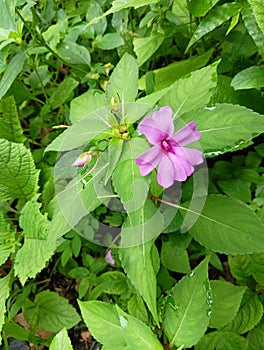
95, 125
249, 78
214, 19
256, 337
147, 46
239, 266
61, 341
18, 176
137, 263
225, 127
8, 241
252, 26
222, 340
10, 127
118, 88
257, 7
191, 92
85, 104
115, 329
111, 282
248, 316
226, 302
4, 293
63, 92
52, 312
186, 313
226, 226
13, 69
37, 248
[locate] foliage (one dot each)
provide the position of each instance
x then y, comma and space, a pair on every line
186, 267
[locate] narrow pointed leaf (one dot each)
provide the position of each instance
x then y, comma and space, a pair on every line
61, 341
4, 293
258, 9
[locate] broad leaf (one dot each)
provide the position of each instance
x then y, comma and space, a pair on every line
8, 241
191, 92
226, 302
61, 341
85, 104
52, 312
137, 263
257, 7
37, 248
249, 314
73, 53
111, 282
222, 340
226, 226
4, 293
214, 19
137, 308
123, 82
63, 92
13, 69
225, 127
256, 337
18, 176
200, 9
145, 47
249, 78
10, 127
114, 152
188, 307
115, 329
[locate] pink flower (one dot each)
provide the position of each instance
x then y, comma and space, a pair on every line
109, 258
83, 159
175, 162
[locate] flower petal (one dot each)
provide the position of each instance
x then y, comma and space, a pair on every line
157, 127
194, 156
166, 173
187, 134
148, 160
182, 167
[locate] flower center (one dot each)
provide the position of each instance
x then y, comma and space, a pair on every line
165, 145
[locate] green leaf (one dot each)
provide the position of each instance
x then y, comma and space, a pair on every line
18, 176
52, 312
191, 92
95, 125
240, 266
114, 153
136, 308
222, 341
94, 10
111, 282
256, 337
7, 15
226, 226
118, 88
8, 241
37, 248
225, 127
165, 76
236, 189
187, 310
115, 329
4, 293
200, 9
131, 187
85, 104
248, 316
226, 302
257, 7
13, 69
73, 53
252, 26
109, 41
63, 92
10, 127
61, 341
137, 263
118, 5
145, 47
249, 78
214, 19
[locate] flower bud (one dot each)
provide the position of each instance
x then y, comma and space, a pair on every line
83, 159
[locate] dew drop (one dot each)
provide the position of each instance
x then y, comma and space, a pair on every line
123, 321
209, 313
191, 274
